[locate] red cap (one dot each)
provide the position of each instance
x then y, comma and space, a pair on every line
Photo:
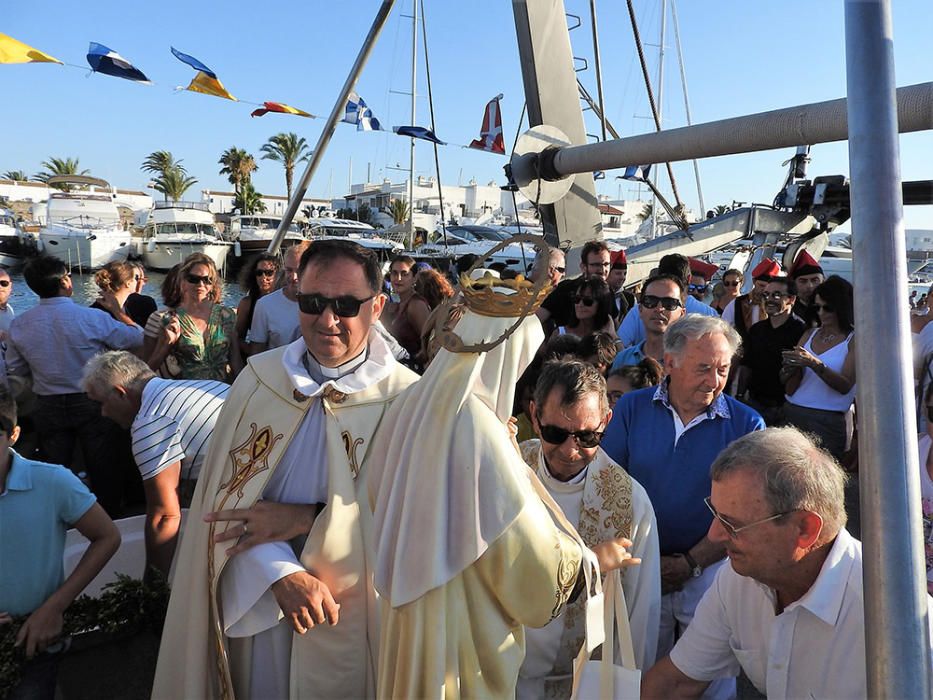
701, 267
767, 268
805, 264
617, 257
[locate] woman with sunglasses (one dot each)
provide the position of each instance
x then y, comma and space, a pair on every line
731, 284
257, 279
592, 309
195, 338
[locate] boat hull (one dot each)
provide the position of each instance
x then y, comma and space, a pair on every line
164, 255
85, 249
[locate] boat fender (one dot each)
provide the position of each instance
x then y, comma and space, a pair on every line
236, 249
40, 245
151, 245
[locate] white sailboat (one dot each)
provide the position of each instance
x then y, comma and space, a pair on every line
82, 228
175, 230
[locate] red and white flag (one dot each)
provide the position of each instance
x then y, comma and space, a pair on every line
490, 135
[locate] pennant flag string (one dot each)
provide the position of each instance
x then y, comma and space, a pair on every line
13, 51
109, 62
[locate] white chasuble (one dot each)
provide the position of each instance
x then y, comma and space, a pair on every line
263, 447
605, 502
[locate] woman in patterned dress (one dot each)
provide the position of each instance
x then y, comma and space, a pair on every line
195, 337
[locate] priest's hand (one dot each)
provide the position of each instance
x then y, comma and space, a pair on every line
305, 601
614, 554
264, 521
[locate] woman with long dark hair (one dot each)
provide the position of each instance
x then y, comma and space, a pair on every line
592, 307
258, 278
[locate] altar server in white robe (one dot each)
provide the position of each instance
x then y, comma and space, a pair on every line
288, 610
569, 413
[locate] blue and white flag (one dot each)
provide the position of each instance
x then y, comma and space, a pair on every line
599, 175
193, 62
636, 172
358, 113
109, 62
418, 132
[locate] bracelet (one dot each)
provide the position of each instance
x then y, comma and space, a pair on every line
821, 370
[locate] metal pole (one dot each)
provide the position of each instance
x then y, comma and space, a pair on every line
683, 83
411, 161
336, 114
599, 73
896, 637
437, 161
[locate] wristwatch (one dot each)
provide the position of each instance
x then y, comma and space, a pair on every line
695, 569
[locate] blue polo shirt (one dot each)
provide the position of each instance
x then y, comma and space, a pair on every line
40, 503
641, 438
630, 356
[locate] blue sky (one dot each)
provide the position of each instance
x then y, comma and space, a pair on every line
741, 57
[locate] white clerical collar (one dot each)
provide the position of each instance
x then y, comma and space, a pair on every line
554, 484
369, 367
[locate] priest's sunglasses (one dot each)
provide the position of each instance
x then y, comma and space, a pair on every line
557, 436
734, 531
650, 301
345, 306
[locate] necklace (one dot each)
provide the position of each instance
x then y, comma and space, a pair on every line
828, 337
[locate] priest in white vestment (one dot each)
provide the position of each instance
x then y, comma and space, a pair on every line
295, 618
466, 551
570, 411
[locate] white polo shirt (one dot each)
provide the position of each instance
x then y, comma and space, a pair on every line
814, 649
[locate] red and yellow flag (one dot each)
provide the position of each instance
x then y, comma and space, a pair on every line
280, 107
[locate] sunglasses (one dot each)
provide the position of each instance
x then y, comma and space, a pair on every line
826, 308
697, 288
731, 284
557, 436
199, 279
586, 301
265, 273
5, 283
561, 270
345, 307
777, 296
650, 301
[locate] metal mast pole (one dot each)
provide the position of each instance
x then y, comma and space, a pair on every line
896, 637
599, 72
411, 161
660, 116
683, 82
335, 115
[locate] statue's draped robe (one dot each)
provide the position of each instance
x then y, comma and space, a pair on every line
261, 416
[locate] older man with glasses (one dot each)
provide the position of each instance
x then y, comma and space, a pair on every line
788, 608
667, 437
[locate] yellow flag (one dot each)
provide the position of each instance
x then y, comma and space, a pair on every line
13, 51
207, 85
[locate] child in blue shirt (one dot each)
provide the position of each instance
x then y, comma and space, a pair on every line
38, 503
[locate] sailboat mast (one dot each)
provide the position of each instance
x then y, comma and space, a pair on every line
660, 116
683, 83
411, 161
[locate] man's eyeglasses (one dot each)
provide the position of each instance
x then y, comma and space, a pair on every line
604, 265
265, 273
345, 307
777, 296
586, 301
701, 288
557, 436
650, 301
734, 531
826, 308
199, 279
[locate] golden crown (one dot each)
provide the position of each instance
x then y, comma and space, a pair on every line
520, 296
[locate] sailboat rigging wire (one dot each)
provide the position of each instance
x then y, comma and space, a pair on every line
683, 83
651, 102
437, 164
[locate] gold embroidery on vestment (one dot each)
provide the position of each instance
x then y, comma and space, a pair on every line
251, 457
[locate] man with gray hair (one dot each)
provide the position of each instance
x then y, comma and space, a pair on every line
788, 607
170, 424
549, 264
667, 437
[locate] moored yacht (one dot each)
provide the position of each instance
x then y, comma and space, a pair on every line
255, 231
12, 250
175, 230
82, 227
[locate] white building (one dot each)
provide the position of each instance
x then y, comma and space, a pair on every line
919, 239
37, 192
222, 203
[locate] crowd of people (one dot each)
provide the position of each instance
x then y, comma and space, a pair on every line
384, 500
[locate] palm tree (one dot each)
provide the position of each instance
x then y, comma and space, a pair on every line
645, 212
248, 200
173, 183
398, 210
288, 149
721, 209
59, 166
161, 162
238, 167
17, 175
